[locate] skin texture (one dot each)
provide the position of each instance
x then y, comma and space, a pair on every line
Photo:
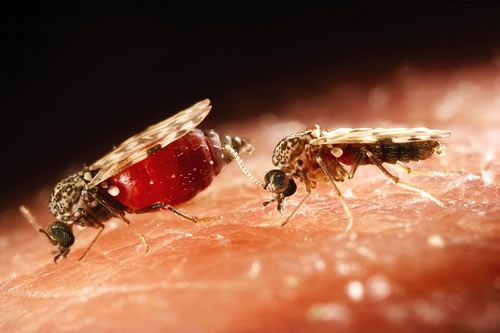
407, 264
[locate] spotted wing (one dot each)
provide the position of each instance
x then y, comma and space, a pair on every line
373, 135
135, 148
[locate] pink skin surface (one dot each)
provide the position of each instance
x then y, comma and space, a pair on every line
407, 265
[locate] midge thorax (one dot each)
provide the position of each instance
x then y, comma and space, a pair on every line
166, 165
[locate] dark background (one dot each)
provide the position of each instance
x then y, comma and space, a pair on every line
76, 79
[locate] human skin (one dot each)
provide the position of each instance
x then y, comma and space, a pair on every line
407, 264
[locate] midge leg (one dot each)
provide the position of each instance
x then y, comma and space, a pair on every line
180, 213
426, 172
121, 216
355, 164
307, 182
32, 220
149, 209
164, 206
397, 181
91, 245
326, 171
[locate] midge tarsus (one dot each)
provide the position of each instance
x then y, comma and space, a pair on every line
163, 166
320, 156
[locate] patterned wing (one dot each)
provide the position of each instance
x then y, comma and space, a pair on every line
135, 148
373, 135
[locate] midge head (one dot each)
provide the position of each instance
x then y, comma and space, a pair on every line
69, 202
59, 233
61, 236
281, 185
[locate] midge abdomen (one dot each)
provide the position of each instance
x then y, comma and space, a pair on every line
173, 174
390, 152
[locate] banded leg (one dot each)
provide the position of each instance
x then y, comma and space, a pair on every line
122, 217
426, 172
164, 206
355, 164
180, 213
397, 181
324, 167
91, 245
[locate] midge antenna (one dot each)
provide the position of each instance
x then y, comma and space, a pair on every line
243, 168
30, 218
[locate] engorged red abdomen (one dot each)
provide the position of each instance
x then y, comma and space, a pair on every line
172, 175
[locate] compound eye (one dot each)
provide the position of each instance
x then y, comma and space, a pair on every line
278, 181
61, 233
291, 188
275, 178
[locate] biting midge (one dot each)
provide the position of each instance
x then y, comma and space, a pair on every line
320, 156
163, 166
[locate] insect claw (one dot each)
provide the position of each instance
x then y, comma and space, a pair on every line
422, 192
285, 222
349, 223
265, 203
437, 201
